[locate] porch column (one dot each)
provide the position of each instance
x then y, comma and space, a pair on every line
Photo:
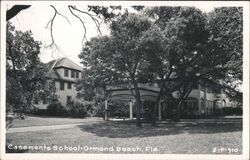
106, 110
199, 99
159, 111
142, 107
130, 109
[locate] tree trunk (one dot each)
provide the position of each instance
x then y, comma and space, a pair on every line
183, 97
138, 103
178, 111
138, 111
153, 121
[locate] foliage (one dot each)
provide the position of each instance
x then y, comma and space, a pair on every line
118, 57
196, 46
56, 109
107, 13
226, 42
175, 57
162, 14
119, 110
25, 74
232, 111
77, 109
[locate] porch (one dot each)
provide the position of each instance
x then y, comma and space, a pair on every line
125, 94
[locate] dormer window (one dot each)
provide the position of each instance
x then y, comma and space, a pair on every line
72, 74
66, 72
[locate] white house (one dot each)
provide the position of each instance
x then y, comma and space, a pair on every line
65, 74
206, 98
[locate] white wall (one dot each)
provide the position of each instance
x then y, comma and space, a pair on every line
62, 94
194, 93
61, 73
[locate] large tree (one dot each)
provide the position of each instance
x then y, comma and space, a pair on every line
175, 58
195, 46
226, 41
25, 74
121, 53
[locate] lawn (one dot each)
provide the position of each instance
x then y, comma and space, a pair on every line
47, 121
124, 137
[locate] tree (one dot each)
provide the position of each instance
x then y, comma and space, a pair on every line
197, 47
175, 58
226, 41
25, 74
121, 54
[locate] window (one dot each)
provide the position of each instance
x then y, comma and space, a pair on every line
66, 72
69, 99
61, 85
72, 74
77, 74
69, 85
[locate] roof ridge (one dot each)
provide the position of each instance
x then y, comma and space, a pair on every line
64, 60
75, 63
54, 60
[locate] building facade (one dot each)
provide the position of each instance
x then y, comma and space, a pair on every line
206, 99
65, 73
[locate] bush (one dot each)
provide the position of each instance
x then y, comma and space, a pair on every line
56, 109
78, 109
119, 110
232, 111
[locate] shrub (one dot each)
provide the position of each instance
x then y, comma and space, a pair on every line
78, 109
56, 109
118, 110
232, 111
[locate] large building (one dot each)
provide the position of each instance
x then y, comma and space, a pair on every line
206, 98
65, 73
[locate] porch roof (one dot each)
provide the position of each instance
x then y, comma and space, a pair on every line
124, 92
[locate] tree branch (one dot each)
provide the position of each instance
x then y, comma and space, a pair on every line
15, 10
51, 23
85, 30
97, 23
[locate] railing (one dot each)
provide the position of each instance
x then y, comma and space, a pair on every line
128, 86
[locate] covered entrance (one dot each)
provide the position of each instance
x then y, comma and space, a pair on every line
125, 94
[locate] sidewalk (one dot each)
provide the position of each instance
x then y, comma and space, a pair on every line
200, 121
42, 128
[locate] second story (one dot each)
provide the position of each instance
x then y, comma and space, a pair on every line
64, 69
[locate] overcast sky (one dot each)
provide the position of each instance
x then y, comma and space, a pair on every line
68, 36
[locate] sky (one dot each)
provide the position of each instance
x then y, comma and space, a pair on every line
68, 36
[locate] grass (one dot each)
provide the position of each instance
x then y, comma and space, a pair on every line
47, 121
167, 138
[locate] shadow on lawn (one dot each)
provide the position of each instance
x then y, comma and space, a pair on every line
121, 129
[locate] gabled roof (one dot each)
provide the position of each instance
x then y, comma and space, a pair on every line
66, 63
60, 63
